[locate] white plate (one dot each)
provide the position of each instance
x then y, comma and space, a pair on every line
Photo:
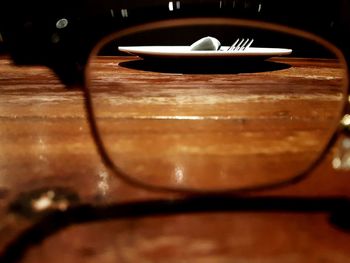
185, 52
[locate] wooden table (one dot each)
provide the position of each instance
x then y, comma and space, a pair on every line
48, 160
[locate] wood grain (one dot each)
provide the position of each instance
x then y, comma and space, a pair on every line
217, 124
45, 143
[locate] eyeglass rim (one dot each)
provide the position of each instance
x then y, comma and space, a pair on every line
89, 108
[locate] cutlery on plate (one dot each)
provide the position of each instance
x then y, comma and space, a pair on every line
241, 44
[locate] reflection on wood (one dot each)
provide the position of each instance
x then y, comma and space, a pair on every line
45, 143
215, 124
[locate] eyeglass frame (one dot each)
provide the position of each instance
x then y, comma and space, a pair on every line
200, 201
77, 73
203, 21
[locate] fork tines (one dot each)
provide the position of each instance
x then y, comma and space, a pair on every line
241, 44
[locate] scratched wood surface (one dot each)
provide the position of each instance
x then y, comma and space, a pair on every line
46, 146
218, 124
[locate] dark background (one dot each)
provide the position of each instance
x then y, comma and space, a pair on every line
89, 20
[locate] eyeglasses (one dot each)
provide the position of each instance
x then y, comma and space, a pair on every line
172, 119
215, 122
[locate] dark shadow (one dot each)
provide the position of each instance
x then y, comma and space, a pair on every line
205, 66
51, 223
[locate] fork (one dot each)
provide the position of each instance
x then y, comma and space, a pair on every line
241, 44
